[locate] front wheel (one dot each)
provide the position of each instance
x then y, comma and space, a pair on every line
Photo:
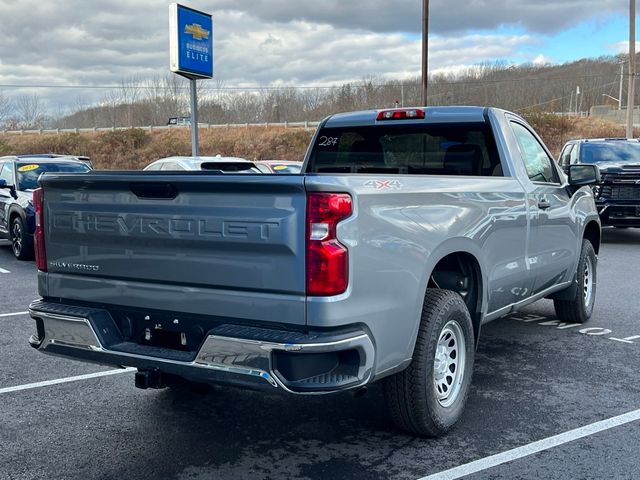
21, 241
579, 308
428, 398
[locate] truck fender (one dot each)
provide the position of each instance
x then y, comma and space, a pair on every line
453, 246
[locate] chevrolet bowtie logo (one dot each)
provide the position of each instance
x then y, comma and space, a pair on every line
196, 31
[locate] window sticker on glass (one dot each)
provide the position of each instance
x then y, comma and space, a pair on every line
280, 167
28, 168
328, 141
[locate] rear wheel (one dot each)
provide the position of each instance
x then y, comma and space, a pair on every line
579, 308
21, 241
428, 398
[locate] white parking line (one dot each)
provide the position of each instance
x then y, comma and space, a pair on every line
2, 270
15, 314
58, 381
535, 447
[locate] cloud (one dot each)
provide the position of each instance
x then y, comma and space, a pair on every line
621, 47
447, 16
542, 59
269, 41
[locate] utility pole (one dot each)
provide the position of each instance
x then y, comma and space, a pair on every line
425, 50
621, 85
632, 67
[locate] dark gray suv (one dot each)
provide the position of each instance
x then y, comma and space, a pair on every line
618, 195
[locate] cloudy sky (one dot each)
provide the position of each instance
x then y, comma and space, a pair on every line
293, 42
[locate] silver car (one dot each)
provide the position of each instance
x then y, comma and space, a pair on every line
217, 163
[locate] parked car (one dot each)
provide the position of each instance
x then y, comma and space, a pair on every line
279, 166
18, 178
617, 195
409, 230
217, 163
179, 121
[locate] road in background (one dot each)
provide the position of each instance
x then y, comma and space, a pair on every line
534, 378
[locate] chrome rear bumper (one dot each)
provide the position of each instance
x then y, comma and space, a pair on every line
229, 354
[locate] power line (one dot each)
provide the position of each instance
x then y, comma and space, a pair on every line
306, 87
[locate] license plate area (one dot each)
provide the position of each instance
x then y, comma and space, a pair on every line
173, 340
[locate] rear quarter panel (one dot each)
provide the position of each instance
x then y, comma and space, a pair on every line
401, 228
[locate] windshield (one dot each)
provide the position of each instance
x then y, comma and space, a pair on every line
610, 152
28, 173
458, 149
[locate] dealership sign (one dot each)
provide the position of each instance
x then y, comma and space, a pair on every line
191, 42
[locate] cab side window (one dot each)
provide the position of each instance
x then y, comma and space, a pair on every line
538, 164
573, 159
566, 154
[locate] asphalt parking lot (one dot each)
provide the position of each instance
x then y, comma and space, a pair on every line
535, 378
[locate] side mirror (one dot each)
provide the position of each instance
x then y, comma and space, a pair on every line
4, 185
581, 175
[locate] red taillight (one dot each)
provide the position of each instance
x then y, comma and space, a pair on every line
404, 114
38, 236
327, 258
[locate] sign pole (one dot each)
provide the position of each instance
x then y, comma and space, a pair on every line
195, 150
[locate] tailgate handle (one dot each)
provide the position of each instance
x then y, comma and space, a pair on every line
155, 191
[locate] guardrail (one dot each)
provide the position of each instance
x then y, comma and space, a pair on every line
151, 128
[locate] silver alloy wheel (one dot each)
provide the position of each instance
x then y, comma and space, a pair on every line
17, 238
449, 363
587, 283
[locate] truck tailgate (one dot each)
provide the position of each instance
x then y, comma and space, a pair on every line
212, 239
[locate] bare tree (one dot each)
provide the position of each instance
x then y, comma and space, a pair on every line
30, 111
5, 108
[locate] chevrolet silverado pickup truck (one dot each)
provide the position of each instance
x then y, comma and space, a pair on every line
407, 232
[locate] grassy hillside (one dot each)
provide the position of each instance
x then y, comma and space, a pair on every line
135, 148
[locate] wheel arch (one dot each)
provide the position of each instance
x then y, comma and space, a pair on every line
460, 271
593, 233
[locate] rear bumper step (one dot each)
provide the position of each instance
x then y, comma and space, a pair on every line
246, 356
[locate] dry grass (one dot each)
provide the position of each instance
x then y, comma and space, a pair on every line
556, 131
135, 148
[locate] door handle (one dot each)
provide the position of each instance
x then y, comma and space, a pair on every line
543, 204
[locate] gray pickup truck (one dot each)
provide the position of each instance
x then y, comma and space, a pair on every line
408, 230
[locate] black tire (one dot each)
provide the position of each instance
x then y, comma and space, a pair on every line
580, 307
412, 396
21, 241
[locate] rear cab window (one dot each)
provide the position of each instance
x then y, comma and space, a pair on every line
418, 149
